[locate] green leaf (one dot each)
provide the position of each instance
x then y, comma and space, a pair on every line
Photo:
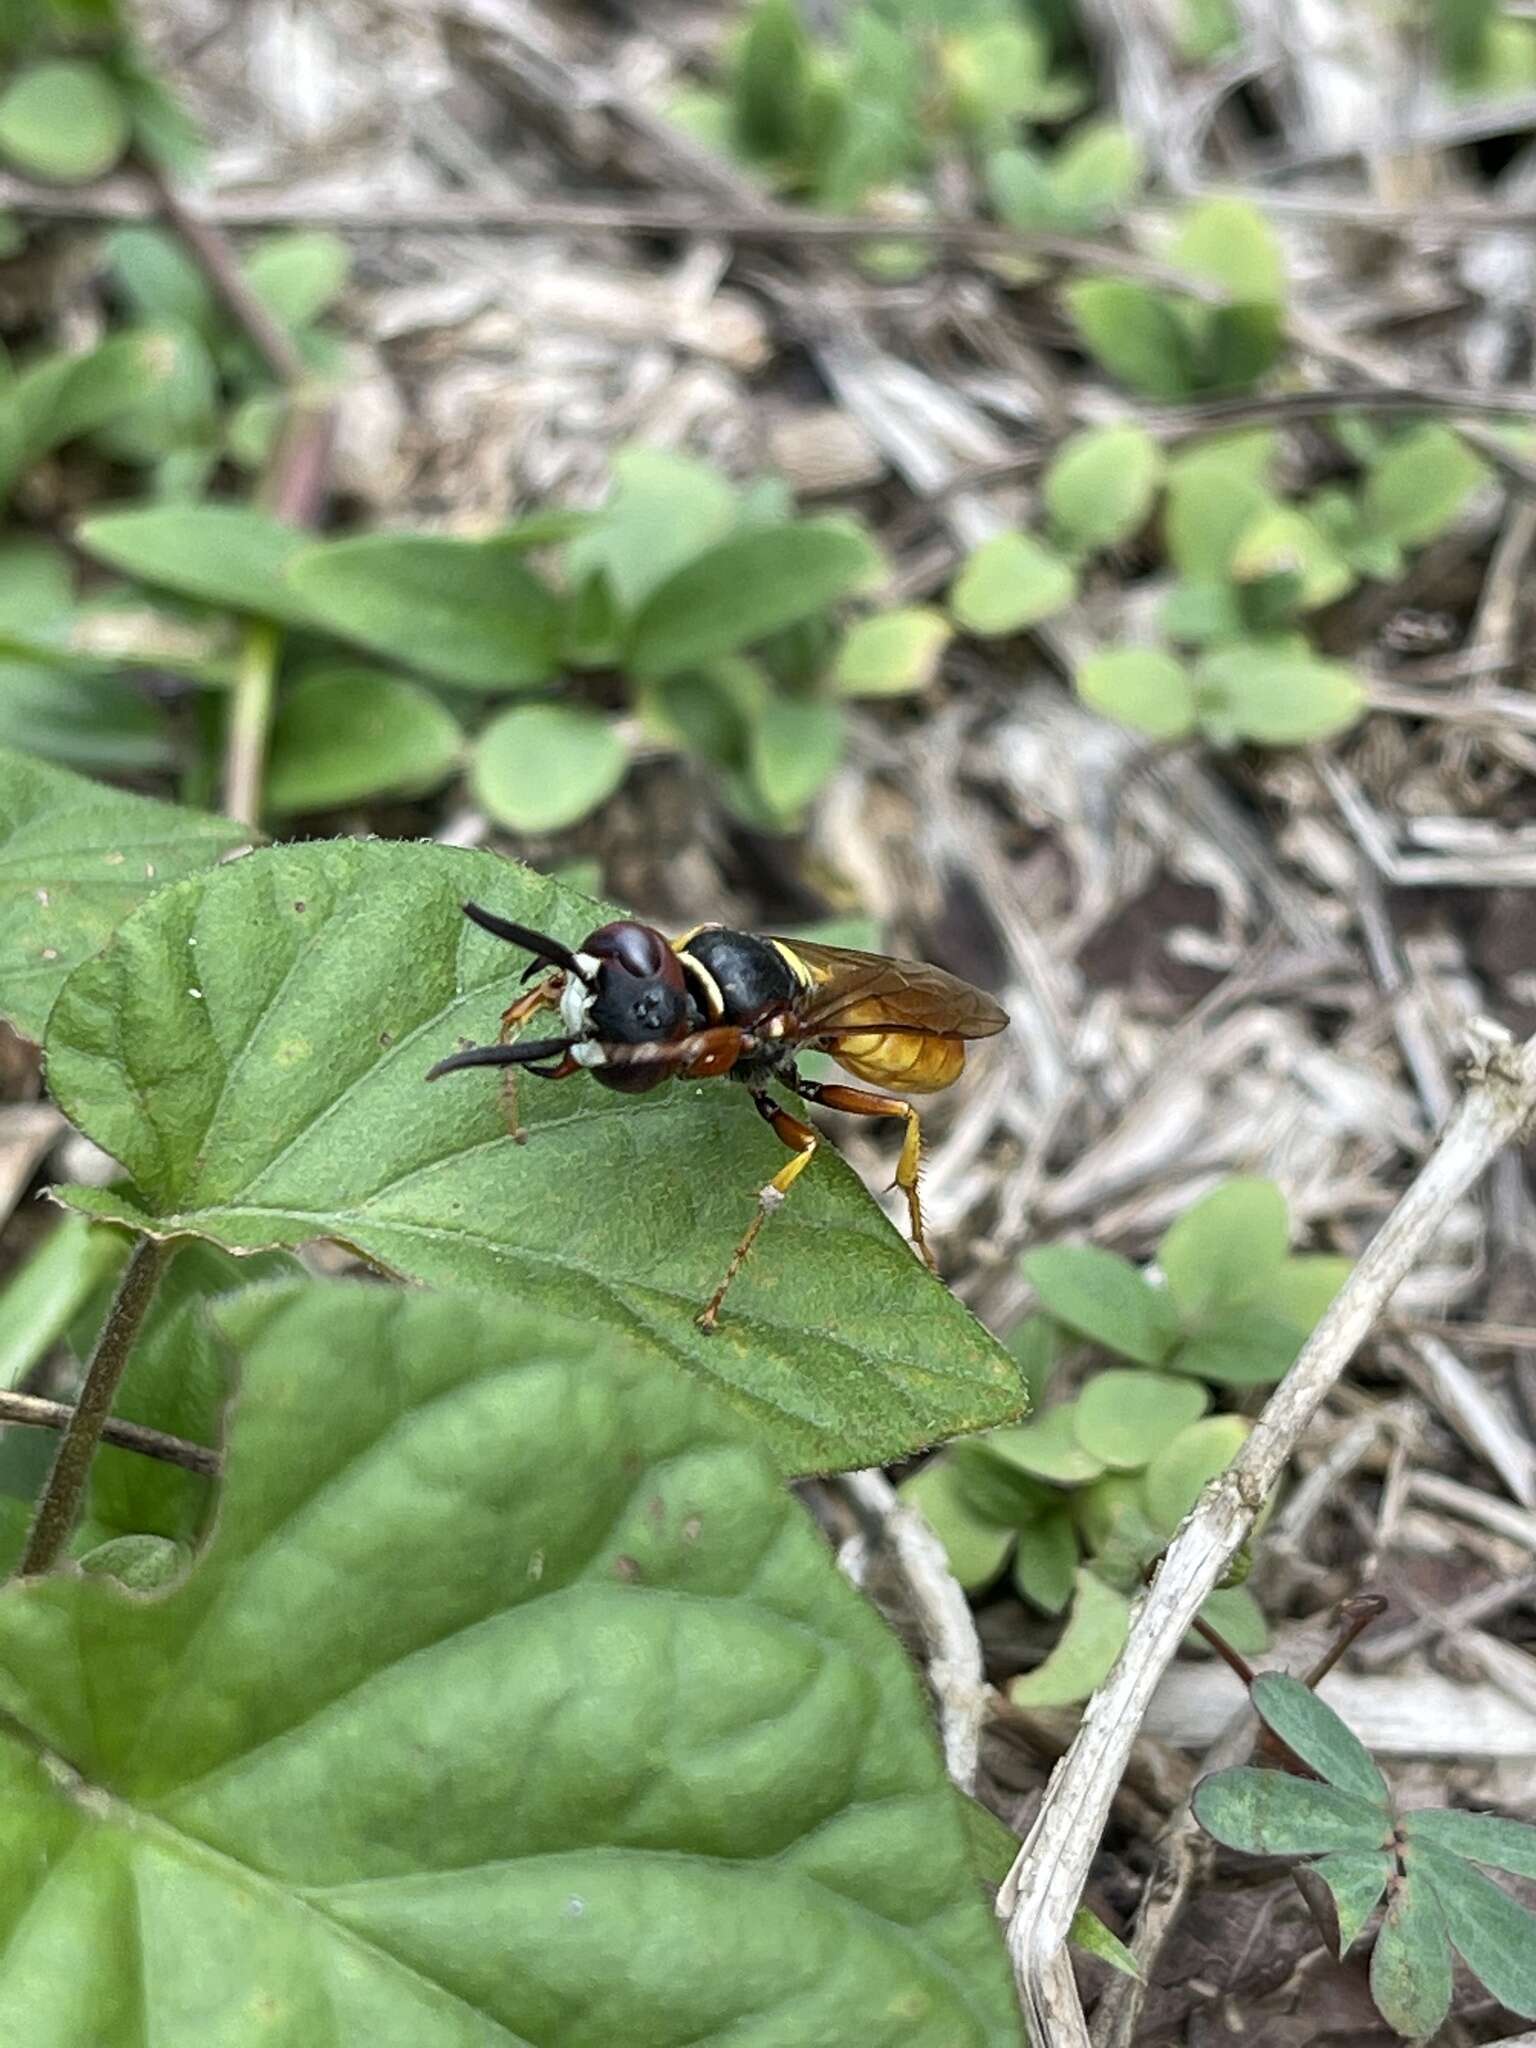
1243, 1346
63, 120
1047, 1449
75, 859
81, 719
1095, 172
1213, 500
1089, 1644
1313, 1731
1180, 1472
342, 734
1411, 1962
770, 87
469, 611
1303, 1289
1010, 582
1124, 1418
1228, 243
406, 1757
226, 555
64, 397
159, 279
1135, 335
297, 276
1418, 487
1343, 1891
1198, 613
1100, 488
994, 1488
1494, 1934
1282, 540
892, 654
1281, 699
1089, 1933
1142, 687
1234, 1613
43, 1295
265, 1087
742, 589
1227, 1246
1270, 1813
994, 1846
1036, 1343
1481, 1837
795, 744
664, 510
1046, 1559
1105, 1297
975, 1548
542, 767
1235, 345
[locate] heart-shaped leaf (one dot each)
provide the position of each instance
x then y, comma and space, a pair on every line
75, 859
664, 509
253, 1049
541, 767
342, 734
1419, 485
1124, 1418
1101, 486
1279, 698
1226, 1246
1180, 1472
470, 611
1135, 334
1244, 1346
1010, 582
512, 1692
744, 588
1105, 1297
892, 653
227, 555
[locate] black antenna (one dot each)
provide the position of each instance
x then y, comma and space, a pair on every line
546, 949
521, 1054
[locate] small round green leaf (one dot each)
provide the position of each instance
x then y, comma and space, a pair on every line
63, 120
892, 654
795, 745
1094, 172
1046, 1559
297, 276
996, 1489
1314, 1731
1246, 1346
1279, 699
1135, 334
1270, 1813
541, 767
342, 734
1091, 1641
469, 611
1178, 1474
1125, 1418
1411, 1962
1047, 1449
1105, 1297
1234, 1613
1303, 1288
1010, 582
1226, 1246
1283, 540
1229, 243
975, 1548
1141, 687
1419, 485
1100, 488
664, 509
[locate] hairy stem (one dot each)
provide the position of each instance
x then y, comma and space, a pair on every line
59, 1509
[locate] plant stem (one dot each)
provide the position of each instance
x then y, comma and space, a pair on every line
59, 1508
250, 721
32, 1411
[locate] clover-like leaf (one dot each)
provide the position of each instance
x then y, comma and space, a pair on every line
1225, 1246
253, 1049
509, 1650
892, 653
974, 1547
1047, 1449
541, 767
664, 509
64, 119
469, 611
1125, 1417
75, 859
1141, 686
1411, 1962
1419, 484
1101, 1295
1342, 1891
1046, 1559
1135, 334
1249, 691
1270, 1813
1229, 243
1177, 1476
1481, 1837
1246, 1345
1303, 1288
1313, 1731
1087, 1648
342, 734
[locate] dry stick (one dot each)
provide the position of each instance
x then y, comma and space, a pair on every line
1046, 1882
59, 1508
32, 1411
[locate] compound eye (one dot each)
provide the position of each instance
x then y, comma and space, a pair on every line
638, 949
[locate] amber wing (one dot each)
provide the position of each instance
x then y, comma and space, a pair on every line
865, 992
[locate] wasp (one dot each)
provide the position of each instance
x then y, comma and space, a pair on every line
638, 1009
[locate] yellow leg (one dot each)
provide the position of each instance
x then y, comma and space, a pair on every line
860, 1102
804, 1140
545, 997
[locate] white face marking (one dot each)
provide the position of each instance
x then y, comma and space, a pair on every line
588, 1054
576, 1003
